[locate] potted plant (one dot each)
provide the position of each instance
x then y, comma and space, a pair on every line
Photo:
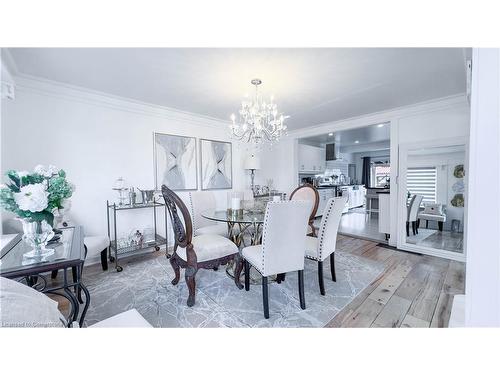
34, 197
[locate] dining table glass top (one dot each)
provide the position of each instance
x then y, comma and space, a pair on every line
242, 217
64, 250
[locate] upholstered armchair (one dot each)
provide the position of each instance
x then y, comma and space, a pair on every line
433, 212
324, 245
193, 252
308, 192
282, 249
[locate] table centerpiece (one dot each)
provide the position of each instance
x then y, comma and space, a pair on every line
34, 197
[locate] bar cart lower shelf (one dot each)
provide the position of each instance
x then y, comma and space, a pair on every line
115, 250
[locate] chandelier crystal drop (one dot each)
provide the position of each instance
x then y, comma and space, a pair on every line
258, 121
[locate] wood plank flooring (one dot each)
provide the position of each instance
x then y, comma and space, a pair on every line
438, 240
412, 291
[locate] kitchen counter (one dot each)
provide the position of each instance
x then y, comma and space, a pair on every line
355, 192
335, 186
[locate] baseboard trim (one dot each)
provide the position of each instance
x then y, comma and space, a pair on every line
457, 316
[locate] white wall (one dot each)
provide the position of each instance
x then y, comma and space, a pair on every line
482, 297
438, 119
276, 162
96, 138
6, 90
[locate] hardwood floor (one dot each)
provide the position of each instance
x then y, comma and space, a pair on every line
359, 224
439, 240
412, 291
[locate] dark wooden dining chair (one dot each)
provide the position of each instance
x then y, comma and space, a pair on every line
206, 251
308, 192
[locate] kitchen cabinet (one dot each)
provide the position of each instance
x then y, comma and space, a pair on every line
356, 196
311, 159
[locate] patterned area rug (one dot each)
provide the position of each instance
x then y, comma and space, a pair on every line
145, 285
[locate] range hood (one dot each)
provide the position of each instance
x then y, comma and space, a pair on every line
331, 152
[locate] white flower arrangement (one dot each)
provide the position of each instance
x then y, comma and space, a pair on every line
35, 196
46, 172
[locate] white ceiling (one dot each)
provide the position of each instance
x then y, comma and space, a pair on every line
437, 150
376, 133
313, 86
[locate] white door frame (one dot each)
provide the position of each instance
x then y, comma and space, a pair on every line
403, 165
482, 297
392, 122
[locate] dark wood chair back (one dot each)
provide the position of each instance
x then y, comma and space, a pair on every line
183, 232
315, 194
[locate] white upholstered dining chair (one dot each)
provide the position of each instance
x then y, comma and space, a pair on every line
413, 210
321, 247
282, 249
202, 201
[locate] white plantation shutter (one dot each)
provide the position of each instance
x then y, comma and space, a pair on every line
422, 181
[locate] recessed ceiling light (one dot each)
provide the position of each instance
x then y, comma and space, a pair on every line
330, 134
380, 125
356, 141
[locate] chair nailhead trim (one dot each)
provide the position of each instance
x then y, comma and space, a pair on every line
323, 228
264, 230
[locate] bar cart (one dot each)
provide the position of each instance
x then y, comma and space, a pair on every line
120, 250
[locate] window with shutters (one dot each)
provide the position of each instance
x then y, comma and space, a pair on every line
422, 181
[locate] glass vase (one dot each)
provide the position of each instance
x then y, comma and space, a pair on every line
37, 234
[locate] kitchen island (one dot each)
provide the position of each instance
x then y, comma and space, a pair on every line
355, 192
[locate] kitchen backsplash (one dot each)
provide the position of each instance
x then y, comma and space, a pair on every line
338, 164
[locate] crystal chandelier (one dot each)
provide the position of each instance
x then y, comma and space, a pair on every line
258, 121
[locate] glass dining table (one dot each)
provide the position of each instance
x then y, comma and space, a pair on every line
241, 225
69, 255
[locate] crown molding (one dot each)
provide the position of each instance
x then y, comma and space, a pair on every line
383, 116
41, 86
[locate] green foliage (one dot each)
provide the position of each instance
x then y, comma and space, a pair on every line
59, 189
7, 200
